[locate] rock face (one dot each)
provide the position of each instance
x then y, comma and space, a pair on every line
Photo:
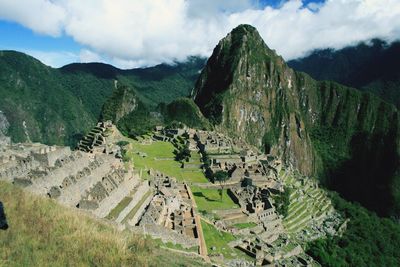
320, 128
122, 102
4, 125
249, 92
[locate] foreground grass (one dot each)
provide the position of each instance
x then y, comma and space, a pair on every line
160, 157
43, 233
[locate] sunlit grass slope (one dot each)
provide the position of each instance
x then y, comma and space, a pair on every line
43, 233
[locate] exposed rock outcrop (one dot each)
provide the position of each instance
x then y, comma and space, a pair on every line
4, 124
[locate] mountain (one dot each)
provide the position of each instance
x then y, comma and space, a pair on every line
349, 139
58, 106
133, 117
371, 67
37, 103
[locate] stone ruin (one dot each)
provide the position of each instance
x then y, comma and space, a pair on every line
96, 140
96, 182
255, 203
213, 142
171, 209
102, 189
167, 135
18, 160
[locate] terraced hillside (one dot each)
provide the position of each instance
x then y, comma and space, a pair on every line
309, 204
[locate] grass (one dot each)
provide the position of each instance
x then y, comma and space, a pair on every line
160, 157
176, 246
217, 239
245, 225
44, 233
120, 207
209, 199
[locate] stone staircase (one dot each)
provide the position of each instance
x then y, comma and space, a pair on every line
95, 138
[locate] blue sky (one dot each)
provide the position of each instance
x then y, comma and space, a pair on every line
143, 33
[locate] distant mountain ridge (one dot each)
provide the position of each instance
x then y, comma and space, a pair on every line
58, 106
373, 67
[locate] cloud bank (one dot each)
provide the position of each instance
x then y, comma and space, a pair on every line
131, 33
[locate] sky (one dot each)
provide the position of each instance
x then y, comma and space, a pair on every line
139, 33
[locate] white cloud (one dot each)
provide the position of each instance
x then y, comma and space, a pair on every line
139, 33
53, 58
42, 16
87, 56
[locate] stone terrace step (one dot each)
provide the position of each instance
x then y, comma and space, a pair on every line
115, 197
294, 215
55, 178
140, 192
72, 195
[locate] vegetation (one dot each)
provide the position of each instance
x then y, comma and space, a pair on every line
209, 199
59, 106
117, 210
122, 101
41, 233
39, 105
218, 240
186, 111
245, 225
138, 122
160, 156
221, 177
183, 153
282, 202
368, 67
367, 241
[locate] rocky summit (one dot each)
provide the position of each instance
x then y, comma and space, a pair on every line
246, 90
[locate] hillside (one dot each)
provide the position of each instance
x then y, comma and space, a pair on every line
58, 106
154, 85
41, 233
36, 105
369, 67
345, 137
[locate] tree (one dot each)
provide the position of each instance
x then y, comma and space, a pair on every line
183, 154
221, 177
282, 202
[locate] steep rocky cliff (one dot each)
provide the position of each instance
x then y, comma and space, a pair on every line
248, 91
320, 128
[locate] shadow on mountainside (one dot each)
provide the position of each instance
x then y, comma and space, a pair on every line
371, 174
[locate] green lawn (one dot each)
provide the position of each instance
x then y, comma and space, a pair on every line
209, 199
160, 157
217, 239
245, 225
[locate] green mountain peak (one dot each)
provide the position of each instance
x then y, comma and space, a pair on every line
249, 92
